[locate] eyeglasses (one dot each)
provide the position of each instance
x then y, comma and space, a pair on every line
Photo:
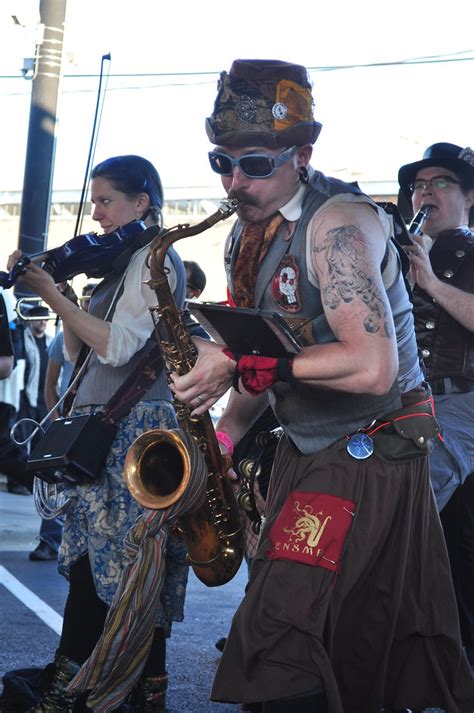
254, 165
438, 182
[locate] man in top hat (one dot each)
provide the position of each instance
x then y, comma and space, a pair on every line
442, 267
341, 610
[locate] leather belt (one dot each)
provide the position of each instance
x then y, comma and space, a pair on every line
448, 385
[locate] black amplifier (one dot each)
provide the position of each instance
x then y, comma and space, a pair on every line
72, 449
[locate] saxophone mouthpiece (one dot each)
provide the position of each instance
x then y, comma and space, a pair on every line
229, 206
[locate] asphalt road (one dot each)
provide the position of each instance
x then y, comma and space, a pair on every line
29, 640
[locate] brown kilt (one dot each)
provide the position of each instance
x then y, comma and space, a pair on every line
383, 630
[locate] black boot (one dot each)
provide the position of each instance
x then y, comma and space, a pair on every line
149, 696
220, 643
55, 699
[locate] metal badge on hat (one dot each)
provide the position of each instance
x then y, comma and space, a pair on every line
467, 155
246, 109
279, 111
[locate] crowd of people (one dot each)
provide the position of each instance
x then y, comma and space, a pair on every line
360, 595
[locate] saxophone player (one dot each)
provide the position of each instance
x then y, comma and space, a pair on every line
336, 615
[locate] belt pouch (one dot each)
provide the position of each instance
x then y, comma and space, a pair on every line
406, 434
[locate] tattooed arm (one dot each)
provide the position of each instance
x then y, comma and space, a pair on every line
347, 247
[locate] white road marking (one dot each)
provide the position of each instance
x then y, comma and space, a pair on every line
30, 600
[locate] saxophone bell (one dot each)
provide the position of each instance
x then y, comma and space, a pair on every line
163, 452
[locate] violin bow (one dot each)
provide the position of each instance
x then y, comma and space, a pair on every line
95, 130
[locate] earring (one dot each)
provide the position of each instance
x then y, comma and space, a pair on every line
304, 175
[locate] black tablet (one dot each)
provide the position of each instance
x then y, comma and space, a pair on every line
247, 331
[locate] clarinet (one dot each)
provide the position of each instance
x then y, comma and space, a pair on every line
416, 225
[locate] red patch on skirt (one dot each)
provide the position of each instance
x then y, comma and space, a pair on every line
311, 528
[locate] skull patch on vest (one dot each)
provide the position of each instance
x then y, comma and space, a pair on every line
285, 285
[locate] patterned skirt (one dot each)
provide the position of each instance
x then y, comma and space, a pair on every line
103, 511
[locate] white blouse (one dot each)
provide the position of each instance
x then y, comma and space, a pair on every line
132, 323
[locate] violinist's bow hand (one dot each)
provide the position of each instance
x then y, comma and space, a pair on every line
14, 258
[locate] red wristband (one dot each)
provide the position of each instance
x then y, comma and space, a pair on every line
258, 373
226, 441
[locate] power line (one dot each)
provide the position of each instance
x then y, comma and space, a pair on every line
430, 59
398, 63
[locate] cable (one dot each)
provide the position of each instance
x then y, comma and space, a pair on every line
429, 59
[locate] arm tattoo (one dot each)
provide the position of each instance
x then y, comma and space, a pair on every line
344, 247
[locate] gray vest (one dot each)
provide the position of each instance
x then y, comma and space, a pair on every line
101, 381
314, 418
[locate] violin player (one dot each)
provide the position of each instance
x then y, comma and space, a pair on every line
117, 328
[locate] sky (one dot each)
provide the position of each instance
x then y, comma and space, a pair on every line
375, 118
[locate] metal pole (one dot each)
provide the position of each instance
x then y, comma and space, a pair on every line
39, 164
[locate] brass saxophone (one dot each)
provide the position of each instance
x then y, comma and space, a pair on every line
158, 466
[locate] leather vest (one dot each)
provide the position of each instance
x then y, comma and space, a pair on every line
313, 418
446, 346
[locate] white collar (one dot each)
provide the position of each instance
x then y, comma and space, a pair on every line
292, 210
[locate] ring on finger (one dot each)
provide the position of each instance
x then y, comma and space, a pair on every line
199, 399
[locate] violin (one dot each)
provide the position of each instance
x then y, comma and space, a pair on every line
89, 254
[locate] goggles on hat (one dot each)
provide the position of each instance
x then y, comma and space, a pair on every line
254, 165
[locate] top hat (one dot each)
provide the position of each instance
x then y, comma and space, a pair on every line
263, 102
450, 156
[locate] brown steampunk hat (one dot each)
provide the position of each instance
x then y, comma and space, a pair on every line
263, 102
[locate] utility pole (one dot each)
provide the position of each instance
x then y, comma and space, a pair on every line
39, 164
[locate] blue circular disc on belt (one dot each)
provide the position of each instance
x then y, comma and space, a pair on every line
360, 446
